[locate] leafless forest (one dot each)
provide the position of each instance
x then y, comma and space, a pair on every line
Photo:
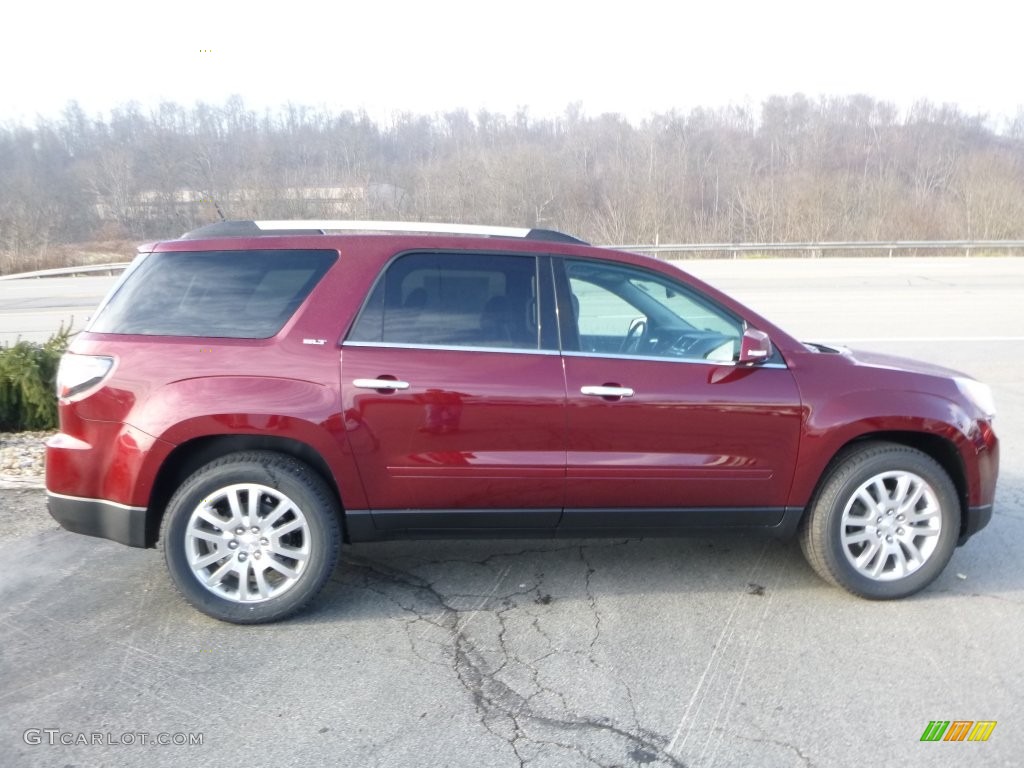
795, 169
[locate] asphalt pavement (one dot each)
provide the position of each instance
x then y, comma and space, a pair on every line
654, 652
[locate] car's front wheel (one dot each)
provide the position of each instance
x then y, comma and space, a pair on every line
884, 523
251, 537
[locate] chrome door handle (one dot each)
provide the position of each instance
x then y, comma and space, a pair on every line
380, 384
607, 391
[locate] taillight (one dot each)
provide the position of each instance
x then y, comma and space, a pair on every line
77, 373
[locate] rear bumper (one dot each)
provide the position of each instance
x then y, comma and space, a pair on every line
977, 518
97, 517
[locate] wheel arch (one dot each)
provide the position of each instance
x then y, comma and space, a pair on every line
189, 456
942, 450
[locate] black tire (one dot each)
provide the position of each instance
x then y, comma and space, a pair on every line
284, 556
862, 552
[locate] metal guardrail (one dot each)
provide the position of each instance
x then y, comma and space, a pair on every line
67, 271
818, 249
814, 249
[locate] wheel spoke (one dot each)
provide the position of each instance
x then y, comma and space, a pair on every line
236, 508
883, 494
242, 569
914, 554
926, 515
858, 537
880, 562
903, 484
291, 525
253, 512
868, 501
205, 561
281, 568
210, 536
283, 506
261, 580
901, 568
206, 515
907, 505
299, 555
215, 578
868, 554
858, 522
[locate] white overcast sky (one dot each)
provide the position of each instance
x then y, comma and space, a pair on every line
633, 57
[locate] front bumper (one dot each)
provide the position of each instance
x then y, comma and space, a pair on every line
97, 517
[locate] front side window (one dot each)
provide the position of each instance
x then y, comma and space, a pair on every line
622, 310
453, 300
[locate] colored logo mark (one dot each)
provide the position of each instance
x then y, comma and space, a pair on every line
958, 730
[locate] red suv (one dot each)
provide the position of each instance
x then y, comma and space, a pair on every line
255, 393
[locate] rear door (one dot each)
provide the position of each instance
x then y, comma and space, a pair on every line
454, 396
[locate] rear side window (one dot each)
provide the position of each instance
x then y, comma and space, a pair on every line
227, 294
453, 300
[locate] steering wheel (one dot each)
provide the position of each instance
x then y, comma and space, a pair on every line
637, 330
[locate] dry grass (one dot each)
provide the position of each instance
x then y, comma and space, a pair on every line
68, 255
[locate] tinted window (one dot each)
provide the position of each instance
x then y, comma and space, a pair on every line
622, 310
453, 299
233, 294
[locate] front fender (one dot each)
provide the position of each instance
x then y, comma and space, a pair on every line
856, 415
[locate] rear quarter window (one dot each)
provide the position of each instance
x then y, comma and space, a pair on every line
227, 294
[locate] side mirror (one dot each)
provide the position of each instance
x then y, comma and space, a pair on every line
755, 347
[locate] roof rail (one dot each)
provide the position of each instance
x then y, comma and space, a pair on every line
284, 227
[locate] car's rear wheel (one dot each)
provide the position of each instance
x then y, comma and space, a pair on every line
251, 537
884, 523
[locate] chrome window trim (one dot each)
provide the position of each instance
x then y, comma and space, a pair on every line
451, 347
653, 359
519, 351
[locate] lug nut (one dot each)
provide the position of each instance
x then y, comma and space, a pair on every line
239, 531
889, 539
242, 556
255, 529
232, 545
889, 512
256, 555
899, 531
901, 517
879, 519
264, 541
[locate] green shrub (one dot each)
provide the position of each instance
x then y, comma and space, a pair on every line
28, 372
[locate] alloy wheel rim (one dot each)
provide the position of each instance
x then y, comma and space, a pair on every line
247, 543
890, 525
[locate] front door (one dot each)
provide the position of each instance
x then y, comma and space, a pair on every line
665, 430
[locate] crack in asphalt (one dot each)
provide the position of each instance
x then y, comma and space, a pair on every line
539, 718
